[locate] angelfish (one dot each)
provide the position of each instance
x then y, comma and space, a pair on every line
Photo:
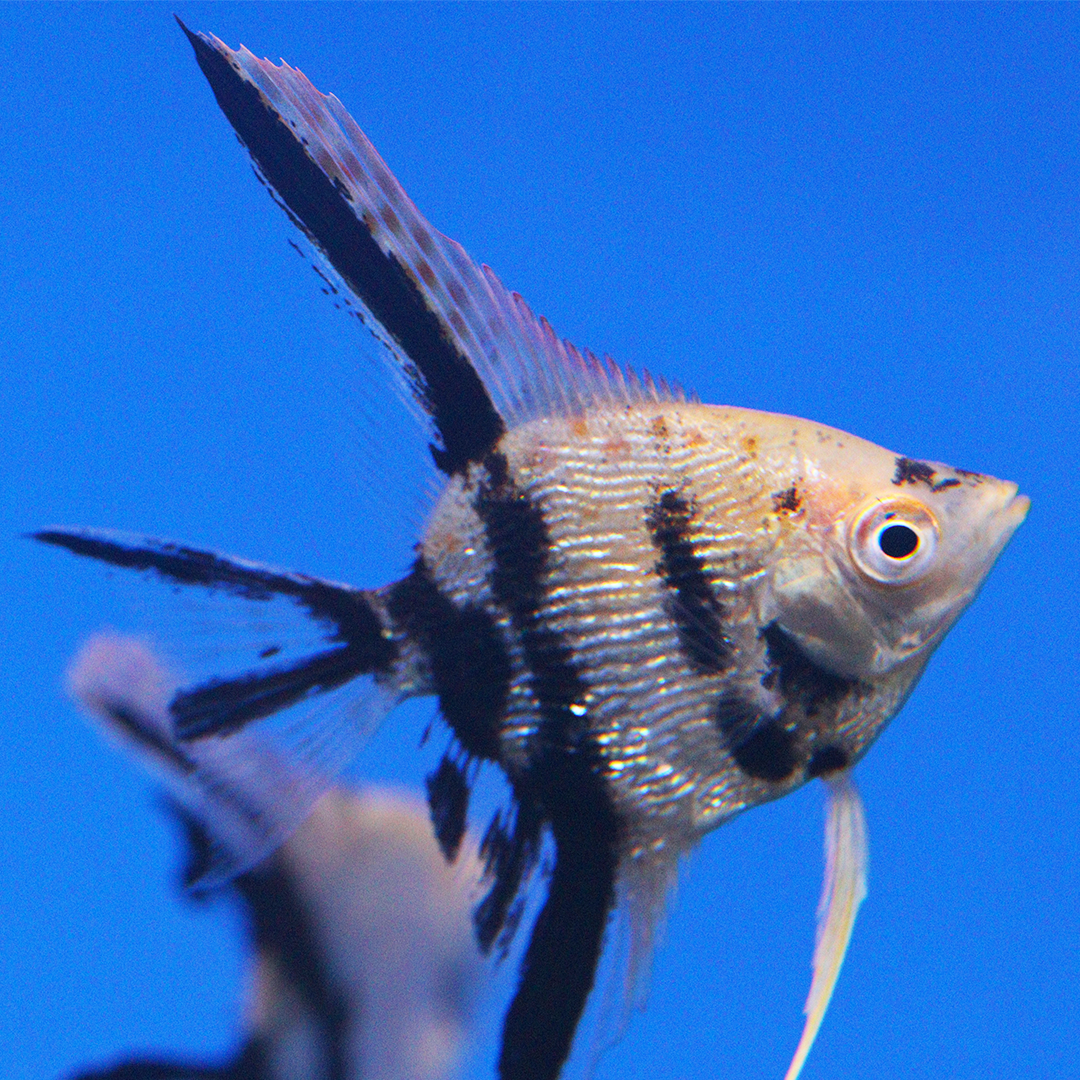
360, 957
650, 613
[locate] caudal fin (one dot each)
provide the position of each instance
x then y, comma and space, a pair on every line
249, 748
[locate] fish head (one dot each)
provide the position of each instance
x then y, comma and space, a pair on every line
889, 552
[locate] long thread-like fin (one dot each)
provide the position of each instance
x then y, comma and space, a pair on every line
846, 859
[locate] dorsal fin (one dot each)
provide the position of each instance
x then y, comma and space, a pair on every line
476, 358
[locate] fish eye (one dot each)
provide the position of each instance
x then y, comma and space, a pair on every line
898, 541
893, 541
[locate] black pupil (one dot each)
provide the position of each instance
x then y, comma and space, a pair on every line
898, 541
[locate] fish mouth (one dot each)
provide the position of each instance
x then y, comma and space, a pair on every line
1013, 512
1005, 519
1017, 508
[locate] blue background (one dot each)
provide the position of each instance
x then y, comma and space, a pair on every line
865, 215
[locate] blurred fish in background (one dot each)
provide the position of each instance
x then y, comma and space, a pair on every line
363, 964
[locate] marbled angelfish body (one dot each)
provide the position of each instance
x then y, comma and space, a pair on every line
667, 535
651, 614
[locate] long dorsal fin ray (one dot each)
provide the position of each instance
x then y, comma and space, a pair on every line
474, 354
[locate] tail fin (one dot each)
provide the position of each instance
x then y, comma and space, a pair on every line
248, 753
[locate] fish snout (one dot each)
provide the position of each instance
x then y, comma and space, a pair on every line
1007, 512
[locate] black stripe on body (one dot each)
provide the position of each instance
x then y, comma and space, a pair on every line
761, 745
799, 679
282, 930
219, 707
519, 543
696, 612
565, 780
444, 380
826, 760
471, 672
469, 662
769, 754
769, 747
